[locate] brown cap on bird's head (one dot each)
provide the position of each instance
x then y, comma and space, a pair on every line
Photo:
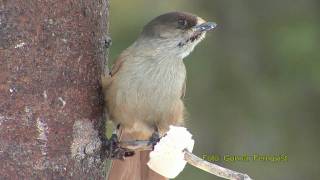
177, 29
180, 21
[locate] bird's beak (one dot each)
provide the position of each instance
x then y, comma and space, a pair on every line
207, 26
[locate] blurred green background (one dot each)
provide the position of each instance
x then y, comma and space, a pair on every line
253, 84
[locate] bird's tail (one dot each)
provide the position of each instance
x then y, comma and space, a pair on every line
134, 167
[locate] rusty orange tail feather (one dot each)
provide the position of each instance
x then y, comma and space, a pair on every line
134, 167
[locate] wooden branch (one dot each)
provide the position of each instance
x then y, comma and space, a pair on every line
51, 59
192, 160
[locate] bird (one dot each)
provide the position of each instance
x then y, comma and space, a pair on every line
145, 88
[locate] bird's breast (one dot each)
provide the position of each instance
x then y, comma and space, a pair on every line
151, 84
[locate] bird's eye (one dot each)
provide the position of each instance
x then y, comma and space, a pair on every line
182, 23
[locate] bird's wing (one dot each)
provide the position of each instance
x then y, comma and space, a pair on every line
118, 63
183, 90
107, 79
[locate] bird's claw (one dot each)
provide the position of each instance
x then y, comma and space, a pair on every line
115, 151
154, 139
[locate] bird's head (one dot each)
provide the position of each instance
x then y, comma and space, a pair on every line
175, 33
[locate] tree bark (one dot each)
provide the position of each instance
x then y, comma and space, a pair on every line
52, 54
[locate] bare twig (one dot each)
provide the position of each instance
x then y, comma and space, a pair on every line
213, 168
192, 160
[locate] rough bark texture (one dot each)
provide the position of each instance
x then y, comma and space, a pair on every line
52, 53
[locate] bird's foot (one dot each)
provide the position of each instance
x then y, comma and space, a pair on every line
154, 139
114, 150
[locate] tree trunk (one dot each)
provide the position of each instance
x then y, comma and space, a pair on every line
52, 54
